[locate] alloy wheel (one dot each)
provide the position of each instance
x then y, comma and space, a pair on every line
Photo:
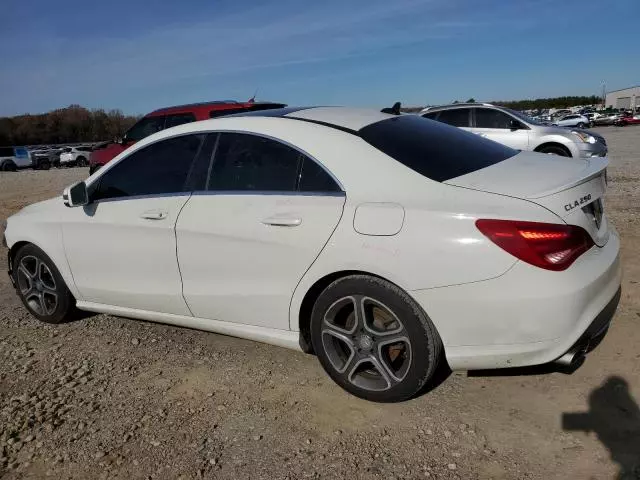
37, 285
366, 343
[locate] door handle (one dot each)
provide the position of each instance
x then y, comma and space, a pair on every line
282, 221
154, 215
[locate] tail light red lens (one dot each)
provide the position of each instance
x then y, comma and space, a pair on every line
546, 245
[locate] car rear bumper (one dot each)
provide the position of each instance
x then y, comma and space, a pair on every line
528, 316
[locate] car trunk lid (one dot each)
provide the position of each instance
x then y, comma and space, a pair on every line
571, 188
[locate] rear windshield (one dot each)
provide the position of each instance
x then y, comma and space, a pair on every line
433, 149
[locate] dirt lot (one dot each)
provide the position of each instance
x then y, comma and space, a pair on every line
107, 397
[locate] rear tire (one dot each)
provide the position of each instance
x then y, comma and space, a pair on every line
8, 166
373, 339
40, 285
81, 162
554, 150
580, 125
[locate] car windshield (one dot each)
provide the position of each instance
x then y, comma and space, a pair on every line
433, 149
525, 118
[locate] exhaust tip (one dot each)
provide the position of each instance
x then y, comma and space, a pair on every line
572, 357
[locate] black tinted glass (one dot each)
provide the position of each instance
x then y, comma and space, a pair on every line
313, 178
458, 117
159, 168
487, 118
145, 127
431, 115
6, 151
250, 162
432, 149
176, 119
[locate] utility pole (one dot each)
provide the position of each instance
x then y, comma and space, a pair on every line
604, 96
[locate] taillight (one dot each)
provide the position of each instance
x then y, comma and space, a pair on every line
545, 245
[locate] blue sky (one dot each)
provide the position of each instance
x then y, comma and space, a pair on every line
138, 56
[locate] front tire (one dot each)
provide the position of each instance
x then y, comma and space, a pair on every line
81, 162
555, 150
580, 125
373, 339
40, 285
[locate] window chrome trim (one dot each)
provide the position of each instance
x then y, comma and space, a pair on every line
141, 197
257, 193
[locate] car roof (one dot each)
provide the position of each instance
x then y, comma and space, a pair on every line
215, 105
342, 118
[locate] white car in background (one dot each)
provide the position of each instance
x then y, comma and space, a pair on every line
381, 243
573, 120
75, 156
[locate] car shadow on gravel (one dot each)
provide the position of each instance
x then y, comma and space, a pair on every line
614, 416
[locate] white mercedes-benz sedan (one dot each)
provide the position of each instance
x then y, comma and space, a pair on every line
383, 244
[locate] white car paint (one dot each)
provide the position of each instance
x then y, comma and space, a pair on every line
70, 155
242, 265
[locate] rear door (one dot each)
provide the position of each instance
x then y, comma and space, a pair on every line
497, 126
246, 240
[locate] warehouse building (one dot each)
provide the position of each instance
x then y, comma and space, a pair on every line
627, 98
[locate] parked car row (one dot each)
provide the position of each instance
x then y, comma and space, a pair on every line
516, 130
43, 158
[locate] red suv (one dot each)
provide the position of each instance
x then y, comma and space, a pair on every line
170, 117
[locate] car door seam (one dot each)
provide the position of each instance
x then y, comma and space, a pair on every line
175, 236
316, 258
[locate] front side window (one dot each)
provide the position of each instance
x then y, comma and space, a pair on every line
489, 118
145, 127
176, 119
456, 117
159, 168
245, 162
432, 149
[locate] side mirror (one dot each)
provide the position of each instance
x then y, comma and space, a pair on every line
76, 195
119, 140
515, 125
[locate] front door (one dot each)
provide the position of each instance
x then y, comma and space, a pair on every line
121, 247
245, 242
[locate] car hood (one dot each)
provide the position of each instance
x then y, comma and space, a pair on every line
40, 207
565, 131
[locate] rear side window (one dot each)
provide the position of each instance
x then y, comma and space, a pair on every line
159, 168
6, 151
432, 149
176, 119
431, 115
314, 178
245, 162
145, 127
457, 117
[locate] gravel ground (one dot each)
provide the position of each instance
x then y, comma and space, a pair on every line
106, 397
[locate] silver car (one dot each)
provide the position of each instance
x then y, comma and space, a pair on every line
518, 131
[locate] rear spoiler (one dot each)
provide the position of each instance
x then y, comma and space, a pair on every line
596, 166
395, 110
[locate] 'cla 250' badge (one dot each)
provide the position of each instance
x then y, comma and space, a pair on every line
576, 203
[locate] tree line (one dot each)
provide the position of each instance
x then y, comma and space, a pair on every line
74, 124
